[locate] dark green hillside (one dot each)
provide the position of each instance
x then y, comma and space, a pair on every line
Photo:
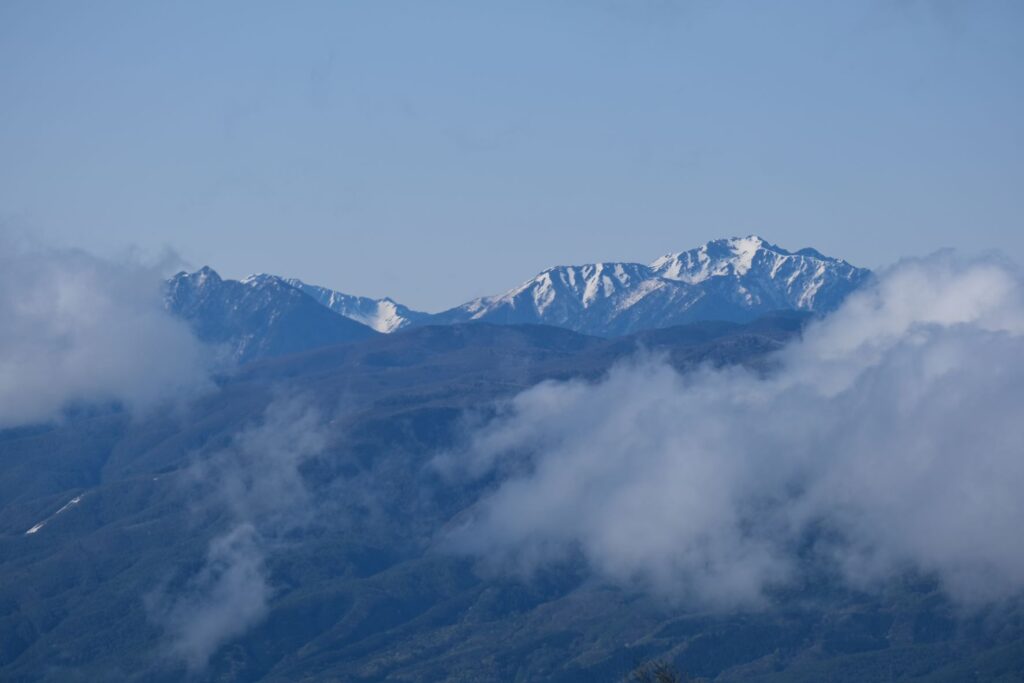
361, 592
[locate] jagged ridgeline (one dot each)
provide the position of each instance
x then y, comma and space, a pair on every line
735, 280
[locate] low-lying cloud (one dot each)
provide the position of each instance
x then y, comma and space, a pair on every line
227, 596
257, 482
890, 438
78, 329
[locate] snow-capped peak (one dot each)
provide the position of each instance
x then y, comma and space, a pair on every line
733, 256
729, 279
737, 278
258, 279
199, 278
384, 315
586, 284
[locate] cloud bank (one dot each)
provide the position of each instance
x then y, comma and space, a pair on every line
78, 329
889, 439
258, 483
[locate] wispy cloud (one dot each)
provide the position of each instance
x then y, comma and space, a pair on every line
889, 436
79, 329
258, 482
228, 595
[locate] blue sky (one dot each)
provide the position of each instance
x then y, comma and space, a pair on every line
435, 151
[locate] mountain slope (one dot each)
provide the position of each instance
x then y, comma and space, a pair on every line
734, 279
384, 315
360, 593
258, 318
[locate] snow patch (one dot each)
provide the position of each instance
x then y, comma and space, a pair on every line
35, 528
746, 249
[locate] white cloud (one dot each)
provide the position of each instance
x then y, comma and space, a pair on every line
227, 596
257, 480
895, 425
78, 329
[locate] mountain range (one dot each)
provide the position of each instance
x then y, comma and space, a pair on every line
129, 540
735, 280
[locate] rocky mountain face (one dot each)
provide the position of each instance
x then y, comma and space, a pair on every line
257, 318
384, 315
736, 279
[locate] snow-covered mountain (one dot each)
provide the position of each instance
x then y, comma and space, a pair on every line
257, 318
735, 279
384, 315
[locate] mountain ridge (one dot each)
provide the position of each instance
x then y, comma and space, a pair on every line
247, 321
734, 279
383, 315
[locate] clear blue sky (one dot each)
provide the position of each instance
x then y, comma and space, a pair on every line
435, 151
